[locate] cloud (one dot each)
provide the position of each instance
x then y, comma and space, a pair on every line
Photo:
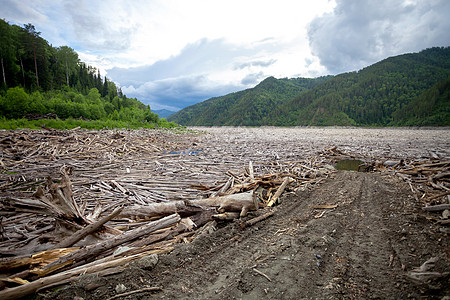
202, 70
359, 33
253, 78
21, 12
257, 63
98, 32
179, 92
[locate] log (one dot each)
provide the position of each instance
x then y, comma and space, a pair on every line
441, 175
259, 218
280, 190
242, 202
9, 263
250, 170
77, 236
226, 216
32, 287
438, 207
93, 250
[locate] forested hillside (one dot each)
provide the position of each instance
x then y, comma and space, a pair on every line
38, 81
380, 95
410, 89
249, 107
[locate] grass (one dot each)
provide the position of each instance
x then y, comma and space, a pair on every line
71, 123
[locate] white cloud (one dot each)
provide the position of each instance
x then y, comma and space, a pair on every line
359, 33
172, 53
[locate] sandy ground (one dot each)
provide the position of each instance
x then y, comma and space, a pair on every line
364, 248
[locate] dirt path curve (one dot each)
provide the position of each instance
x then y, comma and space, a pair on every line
354, 251
362, 249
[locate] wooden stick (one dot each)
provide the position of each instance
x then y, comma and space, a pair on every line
147, 289
77, 236
32, 287
279, 191
438, 196
250, 170
260, 218
262, 274
436, 207
94, 250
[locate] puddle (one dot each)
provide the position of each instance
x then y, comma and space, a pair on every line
184, 152
350, 165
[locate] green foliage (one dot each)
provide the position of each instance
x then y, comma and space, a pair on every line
384, 94
245, 108
40, 79
405, 90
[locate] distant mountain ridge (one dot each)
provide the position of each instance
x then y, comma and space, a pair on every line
409, 89
163, 113
248, 107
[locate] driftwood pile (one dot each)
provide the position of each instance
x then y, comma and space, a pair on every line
64, 212
76, 202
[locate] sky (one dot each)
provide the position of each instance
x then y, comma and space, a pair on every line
173, 53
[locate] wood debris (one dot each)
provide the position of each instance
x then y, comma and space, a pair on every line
78, 201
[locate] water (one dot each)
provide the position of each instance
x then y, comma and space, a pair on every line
350, 165
184, 152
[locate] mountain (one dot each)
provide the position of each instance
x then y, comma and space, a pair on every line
163, 113
248, 107
409, 89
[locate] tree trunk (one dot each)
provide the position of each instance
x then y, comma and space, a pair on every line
3, 71
35, 66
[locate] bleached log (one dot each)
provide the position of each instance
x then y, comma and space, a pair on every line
77, 236
280, 190
242, 202
94, 250
32, 287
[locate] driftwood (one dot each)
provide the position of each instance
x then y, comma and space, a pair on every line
87, 230
260, 218
153, 174
94, 250
438, 207
279, 191
29, 288
242, 202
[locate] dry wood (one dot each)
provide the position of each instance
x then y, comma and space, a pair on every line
87, 230
93, 250
29, 288
279, 191
43, 257
259, 218
152, 173
147, 289
438, 207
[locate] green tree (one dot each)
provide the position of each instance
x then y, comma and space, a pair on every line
16, 102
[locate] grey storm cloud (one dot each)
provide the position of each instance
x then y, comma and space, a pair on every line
359, 33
